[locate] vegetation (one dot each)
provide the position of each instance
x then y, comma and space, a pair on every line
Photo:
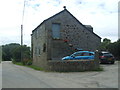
12, 52
114, 47
30, 66
104, 44
7, 51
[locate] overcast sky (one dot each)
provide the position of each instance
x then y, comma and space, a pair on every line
101, 14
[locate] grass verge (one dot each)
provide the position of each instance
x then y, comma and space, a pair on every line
99, 69
30, 66
41, 69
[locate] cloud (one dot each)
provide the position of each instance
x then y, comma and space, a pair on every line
101, 14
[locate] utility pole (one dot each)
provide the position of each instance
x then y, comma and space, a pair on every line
22, 32
21, 42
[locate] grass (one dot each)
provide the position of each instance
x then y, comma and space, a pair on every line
30, 66
99, 69
41, 69
35, 67
18, 63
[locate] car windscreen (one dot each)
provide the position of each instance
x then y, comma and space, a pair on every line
107, 54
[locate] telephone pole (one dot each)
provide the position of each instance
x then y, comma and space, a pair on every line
22, 32
21, 42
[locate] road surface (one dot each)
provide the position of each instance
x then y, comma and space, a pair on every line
14, 76
0, 76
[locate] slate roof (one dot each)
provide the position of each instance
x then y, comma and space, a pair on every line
71, 15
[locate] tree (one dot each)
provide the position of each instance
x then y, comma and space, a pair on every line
7, 50
104, 44
25, 51
13, 51
114, 48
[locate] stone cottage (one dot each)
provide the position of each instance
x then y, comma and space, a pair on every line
59, 36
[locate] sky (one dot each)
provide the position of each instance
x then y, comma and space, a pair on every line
102, 15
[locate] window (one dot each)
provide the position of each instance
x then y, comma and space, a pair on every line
39, 51
35, 50
78, 54
86, 54
56, 31
83, 54
44, 47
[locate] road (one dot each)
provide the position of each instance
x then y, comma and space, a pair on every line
14, 76
0, 76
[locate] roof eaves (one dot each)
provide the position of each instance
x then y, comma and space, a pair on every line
39, 25
71, 15
48, 19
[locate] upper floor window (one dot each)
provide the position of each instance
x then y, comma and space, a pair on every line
56, 30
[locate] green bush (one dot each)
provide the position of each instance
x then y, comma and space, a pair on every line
29, 62
13, 61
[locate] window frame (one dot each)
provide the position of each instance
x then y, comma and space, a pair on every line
53, 35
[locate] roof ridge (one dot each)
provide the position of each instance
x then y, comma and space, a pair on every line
71, 15
49, 18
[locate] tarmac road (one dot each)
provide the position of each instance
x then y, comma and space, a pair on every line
0, 76
14, 76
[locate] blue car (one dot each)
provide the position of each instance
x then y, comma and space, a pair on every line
80, 55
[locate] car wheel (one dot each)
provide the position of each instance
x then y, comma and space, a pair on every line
112, 62
101, 62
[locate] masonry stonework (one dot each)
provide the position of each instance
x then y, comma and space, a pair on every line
73, 31
73, 34
38, 42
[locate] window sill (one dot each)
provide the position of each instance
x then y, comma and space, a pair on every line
57, 39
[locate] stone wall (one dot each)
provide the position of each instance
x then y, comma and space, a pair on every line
73, 31
39, 44
60, 49
74, 65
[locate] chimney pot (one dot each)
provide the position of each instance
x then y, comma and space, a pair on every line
64, 7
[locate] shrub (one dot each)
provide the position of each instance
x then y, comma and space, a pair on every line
27, 62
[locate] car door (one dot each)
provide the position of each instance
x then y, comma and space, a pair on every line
85, 55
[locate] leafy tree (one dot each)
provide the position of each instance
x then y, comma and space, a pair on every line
17, 54
8, 51
114, 48
25, 53
104, 44
13, 51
